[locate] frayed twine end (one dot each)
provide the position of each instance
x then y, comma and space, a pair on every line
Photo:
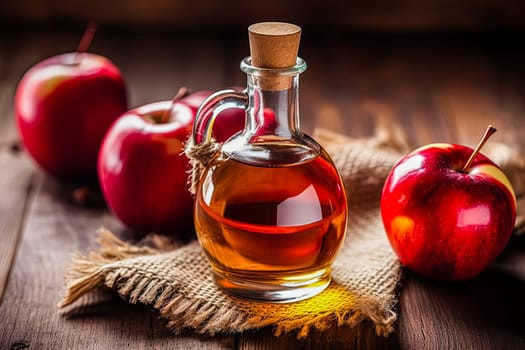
201, 157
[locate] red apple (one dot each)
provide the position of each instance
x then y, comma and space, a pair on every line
143, 170
63, 107
228, 122
443, 221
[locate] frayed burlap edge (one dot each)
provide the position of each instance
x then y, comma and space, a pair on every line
104, 268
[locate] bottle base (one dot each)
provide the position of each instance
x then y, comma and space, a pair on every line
281, 290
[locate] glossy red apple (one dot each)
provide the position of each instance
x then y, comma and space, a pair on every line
444, 221
63, 107
143, 170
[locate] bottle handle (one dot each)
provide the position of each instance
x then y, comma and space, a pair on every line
210, 109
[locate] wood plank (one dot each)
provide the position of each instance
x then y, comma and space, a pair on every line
6, 93
8, 134
482, 313
15, 188
55, 229
360, 337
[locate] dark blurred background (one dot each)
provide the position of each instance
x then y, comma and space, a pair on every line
421, 63
350, 15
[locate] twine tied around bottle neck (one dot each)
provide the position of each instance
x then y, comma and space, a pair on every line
201, 156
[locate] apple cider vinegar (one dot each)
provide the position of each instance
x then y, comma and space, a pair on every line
269, 226
270, 207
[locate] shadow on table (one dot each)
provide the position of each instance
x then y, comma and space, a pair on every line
488, 308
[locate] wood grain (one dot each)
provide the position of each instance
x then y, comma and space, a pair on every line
360, 337
8, 134
16, 190
54, 230
7, 88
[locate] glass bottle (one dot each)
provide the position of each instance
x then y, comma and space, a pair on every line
270, 209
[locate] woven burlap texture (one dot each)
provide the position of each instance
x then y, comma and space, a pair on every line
178, 282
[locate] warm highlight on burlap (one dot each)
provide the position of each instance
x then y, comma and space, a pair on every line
177, 281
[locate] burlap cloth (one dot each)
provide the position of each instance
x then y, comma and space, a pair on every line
177, 281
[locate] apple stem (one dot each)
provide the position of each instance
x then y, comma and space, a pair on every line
183, 91
85, 41
488, 133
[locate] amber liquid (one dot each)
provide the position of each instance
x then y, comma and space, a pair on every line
273, 225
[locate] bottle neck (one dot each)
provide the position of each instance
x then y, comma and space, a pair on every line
273, 102
272, 135
272, 114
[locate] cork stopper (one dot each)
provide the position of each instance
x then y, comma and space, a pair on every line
274, 45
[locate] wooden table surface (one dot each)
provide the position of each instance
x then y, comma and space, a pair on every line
439, 88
